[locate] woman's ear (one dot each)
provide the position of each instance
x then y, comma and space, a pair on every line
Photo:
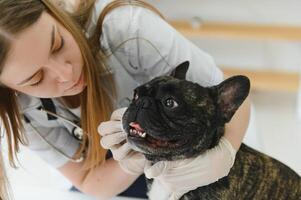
181, 70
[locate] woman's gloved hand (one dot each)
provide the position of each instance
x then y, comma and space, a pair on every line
180, 177
114, 139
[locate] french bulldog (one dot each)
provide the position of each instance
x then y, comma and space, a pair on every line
171, 118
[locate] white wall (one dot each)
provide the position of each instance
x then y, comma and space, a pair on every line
278, 55
246, 11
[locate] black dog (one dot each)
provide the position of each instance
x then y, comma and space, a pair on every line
171, 118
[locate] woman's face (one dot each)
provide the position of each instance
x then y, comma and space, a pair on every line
44, 61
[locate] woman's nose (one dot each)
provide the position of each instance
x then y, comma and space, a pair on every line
62, 70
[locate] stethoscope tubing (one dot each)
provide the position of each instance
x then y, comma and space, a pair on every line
76, 160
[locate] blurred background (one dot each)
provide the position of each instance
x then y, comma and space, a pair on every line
258, 38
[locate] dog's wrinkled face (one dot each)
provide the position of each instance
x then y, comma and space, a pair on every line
171, 118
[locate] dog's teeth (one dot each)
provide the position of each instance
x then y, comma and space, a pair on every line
139, 133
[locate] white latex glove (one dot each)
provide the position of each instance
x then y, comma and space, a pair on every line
114, 138
180, 177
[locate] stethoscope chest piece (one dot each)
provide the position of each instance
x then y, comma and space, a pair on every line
78, 133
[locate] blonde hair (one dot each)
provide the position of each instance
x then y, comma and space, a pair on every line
96, 102
5, 190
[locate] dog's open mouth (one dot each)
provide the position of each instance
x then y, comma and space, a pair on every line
136, 132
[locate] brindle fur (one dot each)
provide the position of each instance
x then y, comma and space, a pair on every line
254, 176
199, 120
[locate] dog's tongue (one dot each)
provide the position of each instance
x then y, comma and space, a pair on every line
136, 126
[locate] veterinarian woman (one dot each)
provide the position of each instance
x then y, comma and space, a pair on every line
65, 66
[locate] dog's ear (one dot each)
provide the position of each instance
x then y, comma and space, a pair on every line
181, 70
230, 95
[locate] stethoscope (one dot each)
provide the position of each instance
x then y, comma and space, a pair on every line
78, 132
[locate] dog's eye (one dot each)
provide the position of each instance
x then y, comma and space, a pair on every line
136, 96
170, 103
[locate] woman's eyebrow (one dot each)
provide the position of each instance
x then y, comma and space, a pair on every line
51, 46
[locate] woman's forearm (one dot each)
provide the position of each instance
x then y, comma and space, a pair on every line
237, 127
104, 182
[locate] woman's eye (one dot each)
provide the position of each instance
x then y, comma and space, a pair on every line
39, 80
61, 46
37, 83
171, 103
